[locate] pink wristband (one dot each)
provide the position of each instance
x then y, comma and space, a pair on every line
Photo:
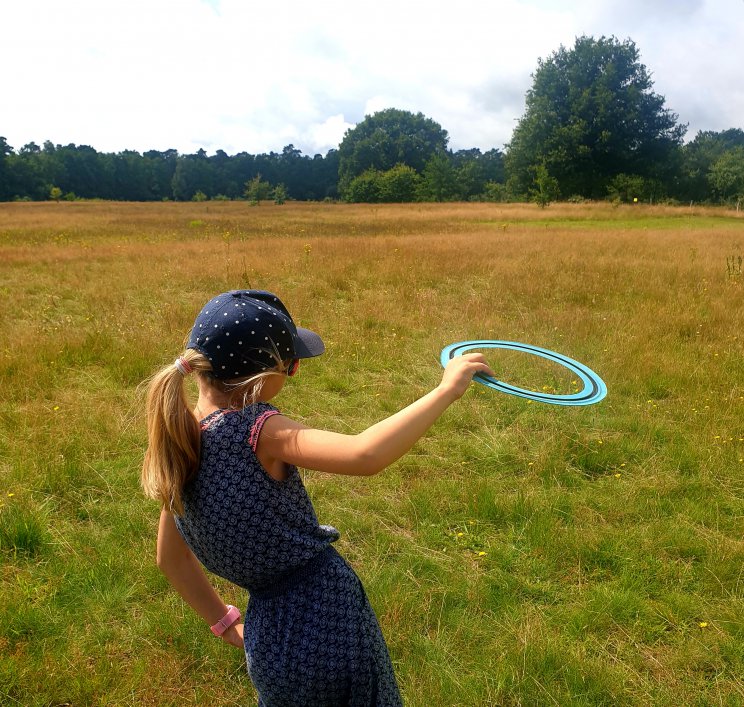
226, 621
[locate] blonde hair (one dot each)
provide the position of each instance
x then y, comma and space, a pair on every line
173, 431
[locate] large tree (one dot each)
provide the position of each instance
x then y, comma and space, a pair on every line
386, 139
591, 114
700, 155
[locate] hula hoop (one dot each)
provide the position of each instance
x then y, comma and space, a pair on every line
593, 391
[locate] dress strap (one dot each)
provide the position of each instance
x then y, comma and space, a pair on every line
258, 426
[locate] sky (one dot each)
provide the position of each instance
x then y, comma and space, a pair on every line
246, 76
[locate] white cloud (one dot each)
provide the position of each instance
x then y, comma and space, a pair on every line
239, 75
328, 134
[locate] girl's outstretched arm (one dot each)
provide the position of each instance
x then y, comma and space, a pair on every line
185, 573
378, 446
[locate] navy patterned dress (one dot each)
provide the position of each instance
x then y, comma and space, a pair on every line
311, 636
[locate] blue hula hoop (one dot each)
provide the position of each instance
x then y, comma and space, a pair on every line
593, 391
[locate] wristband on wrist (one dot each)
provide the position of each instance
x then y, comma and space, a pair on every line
226, 621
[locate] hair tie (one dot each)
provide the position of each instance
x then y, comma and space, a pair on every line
183, 366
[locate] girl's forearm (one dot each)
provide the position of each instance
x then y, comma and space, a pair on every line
185, 573
388, 440
189, 580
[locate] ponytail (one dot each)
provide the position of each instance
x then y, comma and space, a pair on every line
173, 432
172, 456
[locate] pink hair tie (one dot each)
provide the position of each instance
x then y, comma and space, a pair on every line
183, 366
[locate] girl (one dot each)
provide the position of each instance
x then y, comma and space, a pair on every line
233, 501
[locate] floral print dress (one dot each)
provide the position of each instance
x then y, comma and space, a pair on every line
311, 636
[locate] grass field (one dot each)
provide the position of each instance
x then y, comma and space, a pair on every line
521, 554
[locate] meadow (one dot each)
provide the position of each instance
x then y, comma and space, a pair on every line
521, 554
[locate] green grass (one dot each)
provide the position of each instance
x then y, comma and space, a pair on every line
521, 554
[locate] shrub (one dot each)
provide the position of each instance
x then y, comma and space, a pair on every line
546, 187
496, 191
365, 188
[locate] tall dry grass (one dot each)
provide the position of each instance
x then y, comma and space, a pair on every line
521, 554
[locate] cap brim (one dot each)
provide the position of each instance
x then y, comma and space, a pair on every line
308, 344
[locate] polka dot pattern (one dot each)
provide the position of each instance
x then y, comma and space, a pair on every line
249, 315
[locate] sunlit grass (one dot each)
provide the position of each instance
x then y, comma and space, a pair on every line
521, 554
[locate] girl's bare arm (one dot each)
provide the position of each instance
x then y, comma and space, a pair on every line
378, 446
185, 573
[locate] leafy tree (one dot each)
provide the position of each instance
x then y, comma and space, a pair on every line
699, 156
364, 188
545, 189
399, 184
159, 168
55, 193
726, 176
396, 185
626, 188
324, 176
82, 170
193, 173
257, 190
386, 139
438, 181
473, 170
629, 188
279, 194
591, 114
24, 174
496, 191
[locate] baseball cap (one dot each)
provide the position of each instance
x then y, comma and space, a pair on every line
243, 332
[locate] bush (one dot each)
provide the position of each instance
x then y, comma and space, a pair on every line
257, 190
629, 188
398, 184
546, 188
497, 192
199, 196
365, 188
279, 194
624, 188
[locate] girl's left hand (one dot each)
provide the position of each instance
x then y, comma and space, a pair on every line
234, 635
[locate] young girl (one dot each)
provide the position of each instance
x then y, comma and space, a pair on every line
233, 501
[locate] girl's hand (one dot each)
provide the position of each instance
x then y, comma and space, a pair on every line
234, 635
460, 371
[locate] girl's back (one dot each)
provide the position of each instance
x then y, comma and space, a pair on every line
240, 522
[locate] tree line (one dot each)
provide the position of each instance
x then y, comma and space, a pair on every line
593, 128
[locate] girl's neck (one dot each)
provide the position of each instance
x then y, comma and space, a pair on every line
210, 400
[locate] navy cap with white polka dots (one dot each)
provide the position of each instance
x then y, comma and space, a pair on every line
243, 332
